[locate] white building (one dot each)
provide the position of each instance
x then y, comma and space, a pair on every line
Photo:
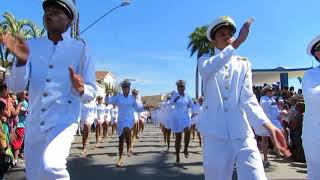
104, 78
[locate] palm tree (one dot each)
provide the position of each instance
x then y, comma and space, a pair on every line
24, 29
111, 90
34, 31
199, 44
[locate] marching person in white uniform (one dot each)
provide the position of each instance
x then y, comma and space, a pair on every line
126, 104
114, 119
60, 75
182, 121
270, 108
88, 115
195, 119
101, 115
107, 120
135, 129
166, 112
143, 116
311, 122
231, 108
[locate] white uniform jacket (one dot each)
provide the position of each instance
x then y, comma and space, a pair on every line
311, 95
230, 107
53, 100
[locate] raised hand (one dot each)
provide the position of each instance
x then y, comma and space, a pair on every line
17, 46
243, 34
76, 80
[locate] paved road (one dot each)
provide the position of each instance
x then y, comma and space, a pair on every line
151, 162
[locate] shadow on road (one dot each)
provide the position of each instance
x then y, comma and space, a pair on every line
157, 169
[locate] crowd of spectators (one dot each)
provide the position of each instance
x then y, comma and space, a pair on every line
13, 112
291, 109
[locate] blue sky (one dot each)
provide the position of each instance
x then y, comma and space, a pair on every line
147, 40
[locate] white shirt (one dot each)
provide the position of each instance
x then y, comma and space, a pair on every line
198, 110
88, 111
230, 108
270, 107
126, 106
102, 111
53, 100
311, 95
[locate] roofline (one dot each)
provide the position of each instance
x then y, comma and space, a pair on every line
281, 70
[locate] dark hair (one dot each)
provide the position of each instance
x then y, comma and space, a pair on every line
291, 88
301, 105
2, 106
3, 87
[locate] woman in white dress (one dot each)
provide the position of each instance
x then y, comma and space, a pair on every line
114, 119
142, 120
181, 122
135, 129
270, 107
87, 118
100, 118
107, 121
195, 120
126, 104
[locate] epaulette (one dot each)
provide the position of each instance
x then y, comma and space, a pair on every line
242, 58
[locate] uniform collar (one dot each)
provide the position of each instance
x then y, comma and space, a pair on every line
216, 51
66, 35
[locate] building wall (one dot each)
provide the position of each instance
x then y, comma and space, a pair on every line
109, 79
153, 100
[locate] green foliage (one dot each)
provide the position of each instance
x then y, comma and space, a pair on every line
111, 90
24, 29
199, 44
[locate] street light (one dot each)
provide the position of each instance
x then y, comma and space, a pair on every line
124, 3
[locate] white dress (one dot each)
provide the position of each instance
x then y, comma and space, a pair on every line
195, 119
101, 113
136, 114
162, 115
180, 115
272, 111
143, 116
114, 115
154, 117
88, 113
126, 107
108, 117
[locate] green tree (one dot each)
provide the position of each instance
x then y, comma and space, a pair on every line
199, 45
24, 29
111, 90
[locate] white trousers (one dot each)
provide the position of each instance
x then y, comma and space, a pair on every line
220, 155
46, 152
312, 154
